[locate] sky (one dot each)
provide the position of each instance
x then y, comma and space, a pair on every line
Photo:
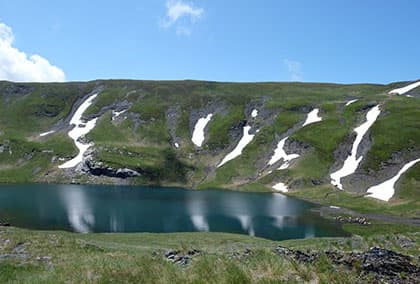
237, 40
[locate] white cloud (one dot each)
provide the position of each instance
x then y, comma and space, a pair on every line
182, 15
15, 65
295, 69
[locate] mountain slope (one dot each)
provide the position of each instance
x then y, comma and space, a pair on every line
143, 134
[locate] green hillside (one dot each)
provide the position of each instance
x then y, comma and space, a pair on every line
158, 115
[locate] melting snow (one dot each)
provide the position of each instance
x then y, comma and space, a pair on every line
198, 133
351, 163
351, 101
403, 90
78, 131
176, 145
116, 114
385, 190
279, 153
47, 133
245, 140
254, 113
312, 117
281, 187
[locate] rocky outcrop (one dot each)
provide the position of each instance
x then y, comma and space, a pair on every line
180, 258
382, 263
214, 107
98, 169
363, 179
172, 116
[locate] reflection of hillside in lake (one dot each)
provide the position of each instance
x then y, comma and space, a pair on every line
83, 209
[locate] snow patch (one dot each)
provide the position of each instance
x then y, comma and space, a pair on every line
176, 145
116, 114
245, 140
198, 133
279, 153
352, 162
312, 117
386, 190
281, 187
47, 133
403, 90
351, 101
254, 113
80, 128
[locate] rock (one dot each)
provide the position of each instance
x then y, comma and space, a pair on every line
19, 248
193, 252
17, 89
296, 254
404, 242
5, 147
43, 258
13, 256
4, 224
171, 254
181, 259
354, 220
125, 172
99, 169
382, 262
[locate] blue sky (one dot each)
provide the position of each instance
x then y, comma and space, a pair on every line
270, 40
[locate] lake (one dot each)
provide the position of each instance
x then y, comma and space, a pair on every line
97, 208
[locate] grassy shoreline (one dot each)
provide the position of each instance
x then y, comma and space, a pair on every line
59, 257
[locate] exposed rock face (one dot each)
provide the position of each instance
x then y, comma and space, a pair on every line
362, 179
344, 150
215, 107
414, 93
98, 169
172, 115
116, 106
295, 147
16, 89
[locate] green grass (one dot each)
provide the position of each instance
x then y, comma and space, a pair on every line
397, 131
138, 257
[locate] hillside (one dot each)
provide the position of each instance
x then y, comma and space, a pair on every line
291, 137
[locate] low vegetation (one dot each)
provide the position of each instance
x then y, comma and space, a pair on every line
61, 257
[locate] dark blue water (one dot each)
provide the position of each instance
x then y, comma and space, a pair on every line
87, 208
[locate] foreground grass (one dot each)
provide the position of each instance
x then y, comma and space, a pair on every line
61, 257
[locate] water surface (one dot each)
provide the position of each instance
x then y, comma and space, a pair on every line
94, 208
